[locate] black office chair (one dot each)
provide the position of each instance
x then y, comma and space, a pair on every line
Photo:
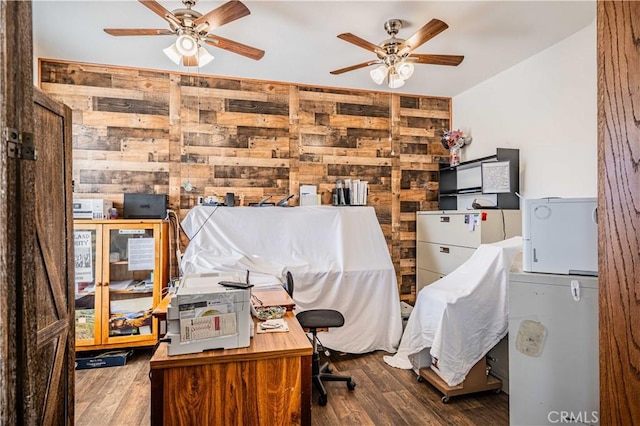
288, 285
312, 320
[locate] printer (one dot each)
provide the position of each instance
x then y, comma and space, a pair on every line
89, 208
560, 236
204, 315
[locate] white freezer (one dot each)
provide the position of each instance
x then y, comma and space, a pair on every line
553, 364
560, 236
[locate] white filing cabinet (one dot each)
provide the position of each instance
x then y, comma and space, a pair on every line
446, 239
553, 349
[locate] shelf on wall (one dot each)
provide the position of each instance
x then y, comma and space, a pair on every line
460, 184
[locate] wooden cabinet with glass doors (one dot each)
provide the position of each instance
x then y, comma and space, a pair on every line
121, 268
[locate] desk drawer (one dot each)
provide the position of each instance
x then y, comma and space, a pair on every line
441, 258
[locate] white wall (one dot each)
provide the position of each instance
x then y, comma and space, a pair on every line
547, 107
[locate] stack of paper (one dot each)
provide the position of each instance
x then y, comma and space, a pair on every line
273, 326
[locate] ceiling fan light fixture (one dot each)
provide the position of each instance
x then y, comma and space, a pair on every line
378, 74
405, 70
187, 45
396, 53
204, 57
395, 81
173, 54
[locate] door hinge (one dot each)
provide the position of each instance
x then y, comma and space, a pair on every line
20, 145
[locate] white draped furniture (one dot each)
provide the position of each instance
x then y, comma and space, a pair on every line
337, 255
463, 315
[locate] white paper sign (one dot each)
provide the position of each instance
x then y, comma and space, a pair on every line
83, 252
141, 254
495, 177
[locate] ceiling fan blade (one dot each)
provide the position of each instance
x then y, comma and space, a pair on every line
159, 10
135, 32
452, 60
427, 32
224, 14
355, 67
234, 46
360, 42
190, 61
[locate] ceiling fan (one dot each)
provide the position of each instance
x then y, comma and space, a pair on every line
192, 27
395, 54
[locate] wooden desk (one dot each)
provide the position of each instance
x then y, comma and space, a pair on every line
267, 383
160, 312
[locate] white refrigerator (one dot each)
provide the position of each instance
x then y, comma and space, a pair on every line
553, 349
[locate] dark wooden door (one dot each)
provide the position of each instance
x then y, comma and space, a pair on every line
54, 273
36, 313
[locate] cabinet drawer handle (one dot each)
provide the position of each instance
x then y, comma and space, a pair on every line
444, 219
444, 250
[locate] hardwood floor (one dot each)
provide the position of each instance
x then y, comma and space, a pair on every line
383, 396
115, 395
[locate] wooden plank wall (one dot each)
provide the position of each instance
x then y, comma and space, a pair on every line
145, 131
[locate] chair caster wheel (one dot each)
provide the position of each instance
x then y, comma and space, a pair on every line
420, 379
445, 399
351, 385
322, 400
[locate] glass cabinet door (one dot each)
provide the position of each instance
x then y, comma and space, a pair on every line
131, 264
88, 282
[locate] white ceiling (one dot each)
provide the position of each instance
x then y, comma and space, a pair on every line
299, 37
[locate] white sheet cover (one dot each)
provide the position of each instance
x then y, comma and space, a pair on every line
462, 315
337, 255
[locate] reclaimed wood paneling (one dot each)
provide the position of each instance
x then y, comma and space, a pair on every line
152, 131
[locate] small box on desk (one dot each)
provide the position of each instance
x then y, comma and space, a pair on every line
106, 359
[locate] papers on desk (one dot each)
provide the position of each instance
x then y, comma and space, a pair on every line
272, 326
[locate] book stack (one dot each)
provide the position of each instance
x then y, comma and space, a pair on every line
352, 192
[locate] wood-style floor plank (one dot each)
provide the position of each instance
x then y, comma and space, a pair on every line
115, 395
383, 396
